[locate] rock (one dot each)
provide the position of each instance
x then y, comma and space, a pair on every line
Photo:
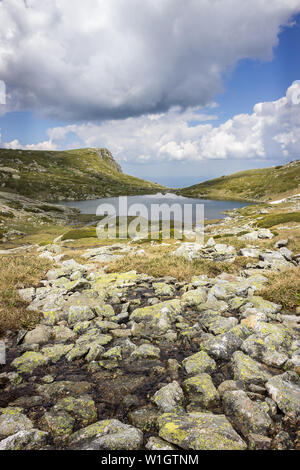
169, 398
247, 370
246, 415
144, 418
109, 434
163, 289
27, 294
29, 361
215, 323
199, 363
82, 409
194, 297
40, 335
281, 243
2, 353
265, 233
156, 319
270, 343
155, 443
64, 388
59, 423
80, 313
199, 431
25, 440
228, 386
188, 251
282, 441
223, 346
287, 254
249, 252
55, 353
11, 423
201, 391
259, 442
262, 305
285, 391
146, 351
63, 334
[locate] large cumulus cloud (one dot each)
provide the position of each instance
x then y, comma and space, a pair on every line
271, 131
111, 59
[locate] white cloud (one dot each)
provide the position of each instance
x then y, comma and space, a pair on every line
272, 131
15, 144
108, 59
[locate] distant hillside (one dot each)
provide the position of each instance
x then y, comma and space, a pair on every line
74, 174
251, 185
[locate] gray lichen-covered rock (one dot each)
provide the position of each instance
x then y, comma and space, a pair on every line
199, 363
195, 297
80, 313
55, 353
223, 346
285, 391
270, 343
82, 409
201, 391
247, 416
163, 289
40, 335
199, 431
169, 398
109, 434
29, 361
59, 423
155, 443
12, 422
25, 440
215, 323
248, 371
146, 351
156, 319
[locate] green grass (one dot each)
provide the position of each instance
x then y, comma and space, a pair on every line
252, 185
277, 219
73, 174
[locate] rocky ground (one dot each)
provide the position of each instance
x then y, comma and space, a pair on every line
129, 361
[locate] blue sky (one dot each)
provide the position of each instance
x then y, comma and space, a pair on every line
181, 158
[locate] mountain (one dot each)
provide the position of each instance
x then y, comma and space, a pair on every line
251, 185
87, 173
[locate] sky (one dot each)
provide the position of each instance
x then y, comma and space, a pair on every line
179, 92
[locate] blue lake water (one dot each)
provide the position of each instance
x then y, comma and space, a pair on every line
212, 209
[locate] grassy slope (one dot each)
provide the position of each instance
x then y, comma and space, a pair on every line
253, 185
72, 174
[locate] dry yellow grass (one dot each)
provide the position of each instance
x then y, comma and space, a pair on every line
284, 288
166, 264
17, 272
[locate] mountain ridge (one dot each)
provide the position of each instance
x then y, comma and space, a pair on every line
77, 174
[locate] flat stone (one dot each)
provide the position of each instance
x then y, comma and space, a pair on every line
109, 434
25, 440
199, 431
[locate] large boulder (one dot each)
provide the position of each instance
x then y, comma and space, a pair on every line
109, 434
199, 431
246, 415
